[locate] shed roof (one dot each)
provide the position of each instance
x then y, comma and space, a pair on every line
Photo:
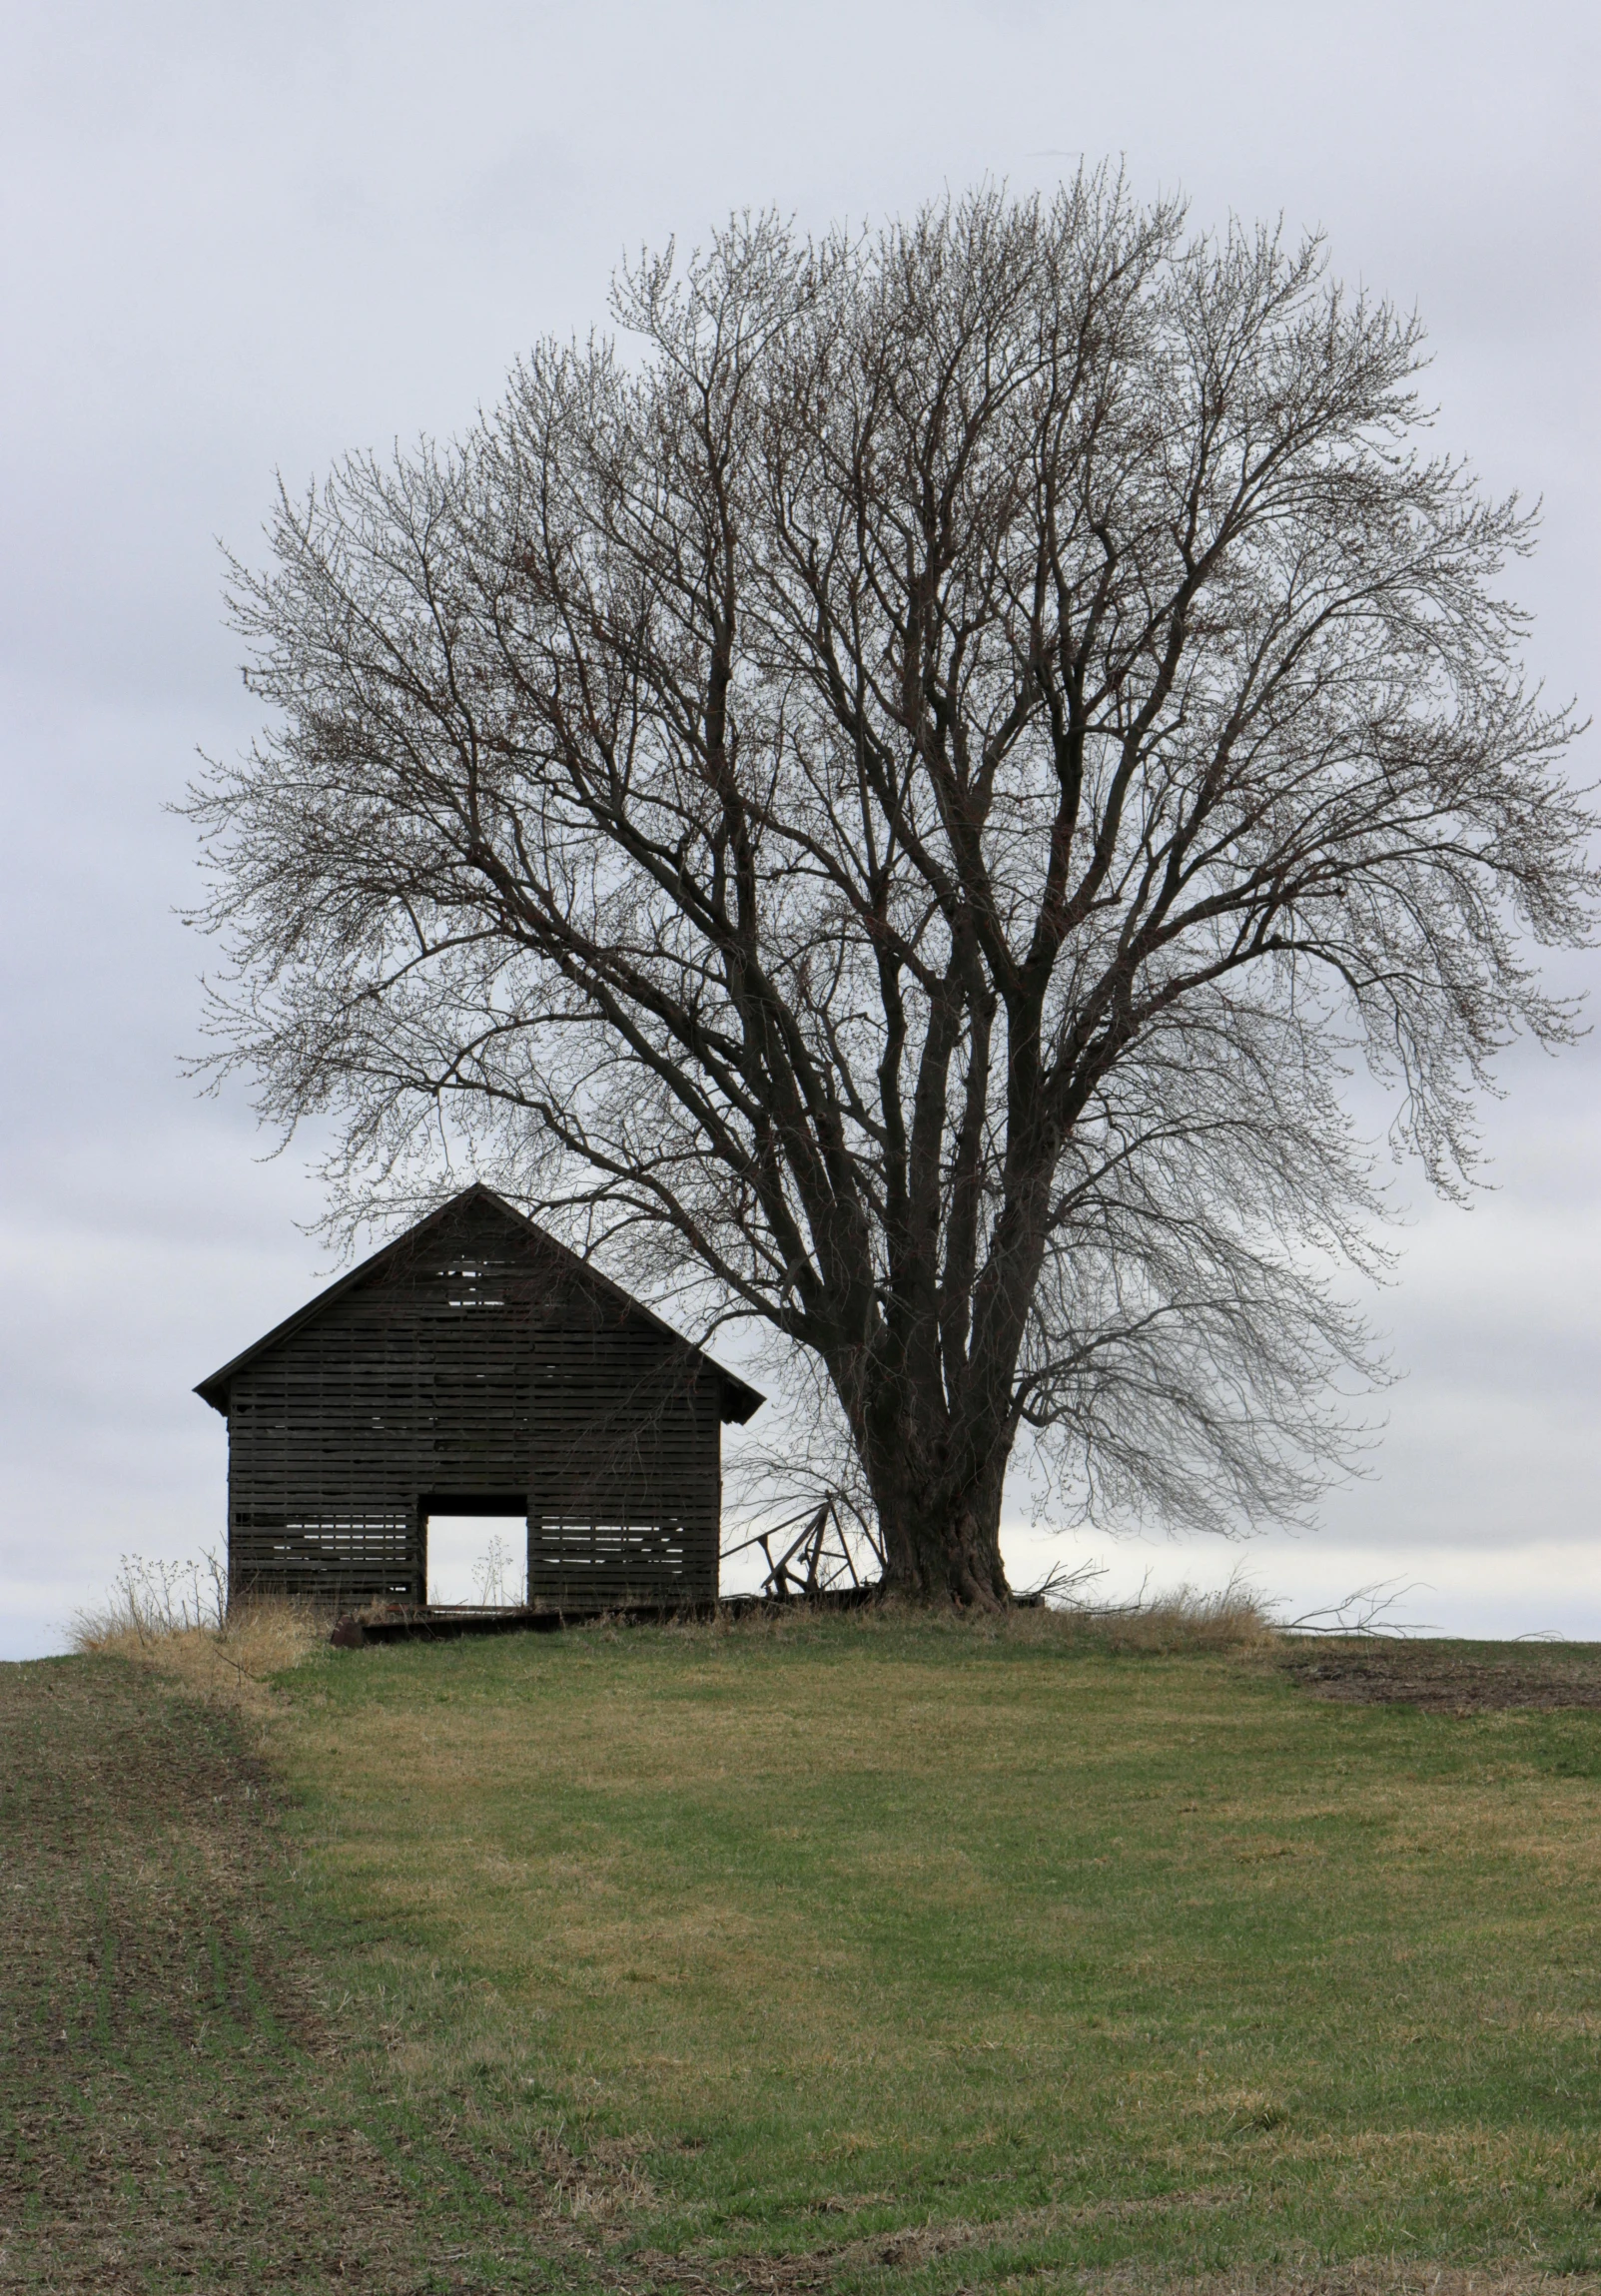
739, 1400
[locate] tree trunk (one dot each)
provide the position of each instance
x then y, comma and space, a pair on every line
941, 1531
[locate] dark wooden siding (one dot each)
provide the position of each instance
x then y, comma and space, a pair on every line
477, 1366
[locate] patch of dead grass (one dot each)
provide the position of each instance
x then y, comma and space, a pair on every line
229, 1665
1183, 1619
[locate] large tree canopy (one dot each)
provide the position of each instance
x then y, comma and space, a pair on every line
894, 801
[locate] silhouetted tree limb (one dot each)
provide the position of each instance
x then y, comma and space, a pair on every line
896, 806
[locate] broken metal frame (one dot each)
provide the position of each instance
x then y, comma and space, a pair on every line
818, 1560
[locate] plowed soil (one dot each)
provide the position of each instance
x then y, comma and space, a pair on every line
1449, 1677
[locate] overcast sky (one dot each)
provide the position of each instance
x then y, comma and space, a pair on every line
240, 239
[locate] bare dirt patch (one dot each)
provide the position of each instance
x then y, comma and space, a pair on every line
162, 2116
1448, 1677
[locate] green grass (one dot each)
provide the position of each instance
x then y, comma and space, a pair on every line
945, 1955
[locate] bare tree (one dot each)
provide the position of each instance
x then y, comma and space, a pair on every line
896, 805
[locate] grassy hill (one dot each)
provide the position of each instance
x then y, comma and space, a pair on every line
863, 1953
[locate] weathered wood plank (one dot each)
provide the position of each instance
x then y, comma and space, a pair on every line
476, 1366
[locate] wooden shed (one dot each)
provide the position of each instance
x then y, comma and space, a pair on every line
475, 1367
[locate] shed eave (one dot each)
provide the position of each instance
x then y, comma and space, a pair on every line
739, 1401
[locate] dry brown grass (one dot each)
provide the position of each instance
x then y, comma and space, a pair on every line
1181, 1620
1185, 1619
230, 1664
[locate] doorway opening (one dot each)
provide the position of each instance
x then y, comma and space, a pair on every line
477, 1558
